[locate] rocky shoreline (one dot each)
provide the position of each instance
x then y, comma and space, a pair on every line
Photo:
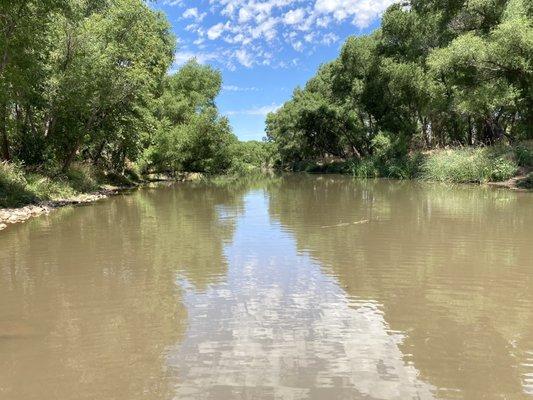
9, 216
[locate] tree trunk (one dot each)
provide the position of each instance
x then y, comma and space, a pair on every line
425, 131
470, 133
70, 157
88, 127
529, 119
98, 154
3, 133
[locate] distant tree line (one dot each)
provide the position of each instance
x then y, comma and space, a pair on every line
87, 80
437, 73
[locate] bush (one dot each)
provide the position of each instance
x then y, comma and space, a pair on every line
13, 186
527, 182
19, 188
44, 188
399, 167
468, 165
365, 168
82, 178
381, 145
524, 154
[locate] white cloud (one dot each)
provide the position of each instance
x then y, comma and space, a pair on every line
362, 12
256, 32
310, 37
260, 111
294, 17
323, 22
329, 39
298, 46
244, 15
193, 13
215, 31
173, 2
233, 88
244, 58
182, 57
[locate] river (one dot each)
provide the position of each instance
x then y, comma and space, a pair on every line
292, 287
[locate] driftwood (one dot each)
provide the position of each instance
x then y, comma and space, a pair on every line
364, 221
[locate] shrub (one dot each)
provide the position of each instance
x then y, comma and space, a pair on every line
365, 168
13, 186
524, 154
381, 145
82, 178
44, 188
402, 167
527, 182
18, 187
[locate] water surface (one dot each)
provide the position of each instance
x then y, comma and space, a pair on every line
294, 287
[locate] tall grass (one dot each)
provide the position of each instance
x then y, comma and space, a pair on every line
14, 189
19, 188
464, 165
469, 165
524, 154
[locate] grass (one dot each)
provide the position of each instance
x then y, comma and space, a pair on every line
470, 165
523, 153
465, 165
19, 187
460, 165
406, 167
14, 188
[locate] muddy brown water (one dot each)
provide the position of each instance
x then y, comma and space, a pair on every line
294, 287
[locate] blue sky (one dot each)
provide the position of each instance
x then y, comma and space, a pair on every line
265, 48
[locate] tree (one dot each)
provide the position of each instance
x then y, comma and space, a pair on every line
437, 73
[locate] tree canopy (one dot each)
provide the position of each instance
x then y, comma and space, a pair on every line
89, 81
436, 73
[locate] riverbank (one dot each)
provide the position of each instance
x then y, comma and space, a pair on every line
503, 166
25, 195
9, 216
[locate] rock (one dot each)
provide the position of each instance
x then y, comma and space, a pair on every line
36, 211
18, 215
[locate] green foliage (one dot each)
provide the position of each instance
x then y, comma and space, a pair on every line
83, 178
47, 188
86, 83
524, 154
527, 182
437, 74
403, 167
191, 89
191, 135
201, 144
13, 186
251, 157
18, 188
468, 165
